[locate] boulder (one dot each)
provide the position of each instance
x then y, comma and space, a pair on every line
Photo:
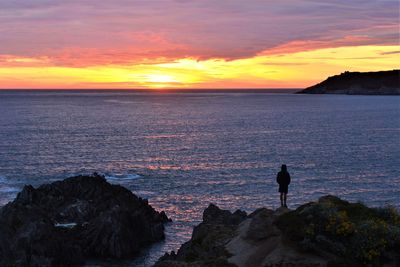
67, 222
207, 245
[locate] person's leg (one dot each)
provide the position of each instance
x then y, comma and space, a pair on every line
281, 199
284, 200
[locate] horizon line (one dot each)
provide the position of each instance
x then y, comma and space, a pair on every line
147, 89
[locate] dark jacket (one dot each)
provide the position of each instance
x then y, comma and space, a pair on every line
283, 178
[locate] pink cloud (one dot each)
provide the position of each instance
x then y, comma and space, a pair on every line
87, 32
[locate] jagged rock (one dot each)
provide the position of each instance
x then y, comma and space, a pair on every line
214, 215
329, 232
206, 247
69, 221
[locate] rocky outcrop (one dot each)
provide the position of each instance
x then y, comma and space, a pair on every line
207, 245
329, 232
67, 222
359, 83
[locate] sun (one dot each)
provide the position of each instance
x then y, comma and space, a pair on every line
160, 78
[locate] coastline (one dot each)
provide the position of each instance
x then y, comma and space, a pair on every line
328, 232
318, 233
358, 83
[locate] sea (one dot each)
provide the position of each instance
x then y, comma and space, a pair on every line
183, 150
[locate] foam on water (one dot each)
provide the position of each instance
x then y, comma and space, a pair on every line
7, 186
120, 178
8, 190
66, 225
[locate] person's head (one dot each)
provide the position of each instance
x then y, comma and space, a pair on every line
283, 168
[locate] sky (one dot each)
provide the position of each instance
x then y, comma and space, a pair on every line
193, 44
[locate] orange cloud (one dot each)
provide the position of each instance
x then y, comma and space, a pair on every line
280, 70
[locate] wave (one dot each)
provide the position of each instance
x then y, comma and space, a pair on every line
8, 190
6, 186
124, 101
121, 178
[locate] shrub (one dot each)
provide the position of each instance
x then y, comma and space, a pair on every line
357, 234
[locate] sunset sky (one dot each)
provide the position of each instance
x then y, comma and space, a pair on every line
193, 44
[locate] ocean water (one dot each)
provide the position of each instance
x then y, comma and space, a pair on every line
183, 151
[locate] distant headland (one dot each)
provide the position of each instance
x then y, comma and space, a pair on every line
359, 83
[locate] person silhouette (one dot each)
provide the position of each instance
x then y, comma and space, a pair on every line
283, 179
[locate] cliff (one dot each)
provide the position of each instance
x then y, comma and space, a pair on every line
329, 232
68, 222
359, 83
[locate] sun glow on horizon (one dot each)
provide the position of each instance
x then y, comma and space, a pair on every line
281, 70
158, 80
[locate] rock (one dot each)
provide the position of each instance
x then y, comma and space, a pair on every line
207, 245
214, 215
359, 83
328, 232
67, 222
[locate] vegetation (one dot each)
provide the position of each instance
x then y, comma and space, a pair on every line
350, 231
